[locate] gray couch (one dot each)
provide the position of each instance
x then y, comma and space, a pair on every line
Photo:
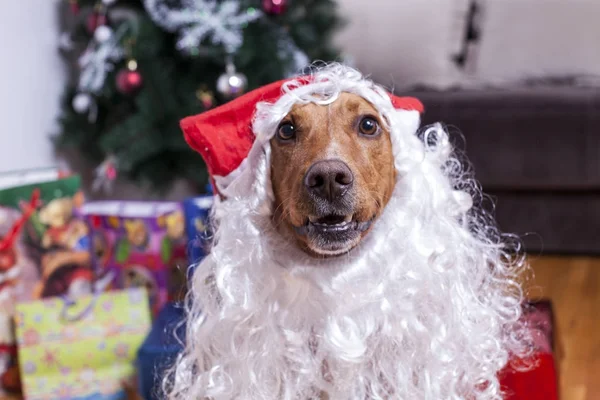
535, 150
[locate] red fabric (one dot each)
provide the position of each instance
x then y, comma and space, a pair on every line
10, 349
536, 383
223, 135
9, 239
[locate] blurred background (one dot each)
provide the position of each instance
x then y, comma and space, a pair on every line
97, 88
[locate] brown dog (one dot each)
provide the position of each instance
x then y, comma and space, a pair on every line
421, 300
332, 173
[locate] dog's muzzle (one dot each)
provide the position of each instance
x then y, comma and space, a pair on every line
329, 186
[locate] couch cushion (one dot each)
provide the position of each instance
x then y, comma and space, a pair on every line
535, 151
551, 222
534, 138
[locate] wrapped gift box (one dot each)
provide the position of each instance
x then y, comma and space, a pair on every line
160, 350
539, 380
140, 244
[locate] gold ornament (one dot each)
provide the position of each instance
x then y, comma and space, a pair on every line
206, 97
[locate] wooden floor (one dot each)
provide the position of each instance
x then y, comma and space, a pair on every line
573, 285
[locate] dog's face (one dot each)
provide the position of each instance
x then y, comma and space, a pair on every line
332, 173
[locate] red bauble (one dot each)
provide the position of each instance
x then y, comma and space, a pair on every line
74, 7
274, 7
128, 81
93, 21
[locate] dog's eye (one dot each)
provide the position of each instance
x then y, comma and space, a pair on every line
286, 131
368, 126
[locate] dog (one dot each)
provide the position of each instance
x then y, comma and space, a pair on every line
351, 257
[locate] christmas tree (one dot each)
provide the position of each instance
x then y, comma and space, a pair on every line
142, 65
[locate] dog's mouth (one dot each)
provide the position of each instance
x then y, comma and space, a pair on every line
332, 224
333, 234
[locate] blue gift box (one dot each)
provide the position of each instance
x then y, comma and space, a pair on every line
165, 340
197, 223
160, 350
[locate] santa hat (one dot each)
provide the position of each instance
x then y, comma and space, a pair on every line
224, 135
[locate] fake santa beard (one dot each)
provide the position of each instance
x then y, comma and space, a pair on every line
427, 306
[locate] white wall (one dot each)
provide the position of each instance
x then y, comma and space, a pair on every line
31, 82
403, 43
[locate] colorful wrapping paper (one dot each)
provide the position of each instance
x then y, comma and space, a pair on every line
84, 349
50, 250
44, 249
140, 244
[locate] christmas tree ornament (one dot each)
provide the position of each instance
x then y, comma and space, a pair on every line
82, 102
103, 34
65, 42
274, 7
129, 79
105, 174
95, 63
95, 20
98, 60
74, 4
196, 20
206, 98
232, 83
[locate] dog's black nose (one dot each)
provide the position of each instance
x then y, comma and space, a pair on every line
329, 179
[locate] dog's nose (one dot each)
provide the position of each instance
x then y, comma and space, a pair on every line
329, 179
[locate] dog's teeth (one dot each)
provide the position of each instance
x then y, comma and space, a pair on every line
347, 221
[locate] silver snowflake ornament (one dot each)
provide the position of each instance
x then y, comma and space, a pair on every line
197, 20
98, 60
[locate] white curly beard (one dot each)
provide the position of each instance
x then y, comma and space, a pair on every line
426, 307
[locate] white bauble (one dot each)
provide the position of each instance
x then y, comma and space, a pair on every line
103, 33
82, 102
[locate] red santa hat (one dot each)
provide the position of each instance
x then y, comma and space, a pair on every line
224, 135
